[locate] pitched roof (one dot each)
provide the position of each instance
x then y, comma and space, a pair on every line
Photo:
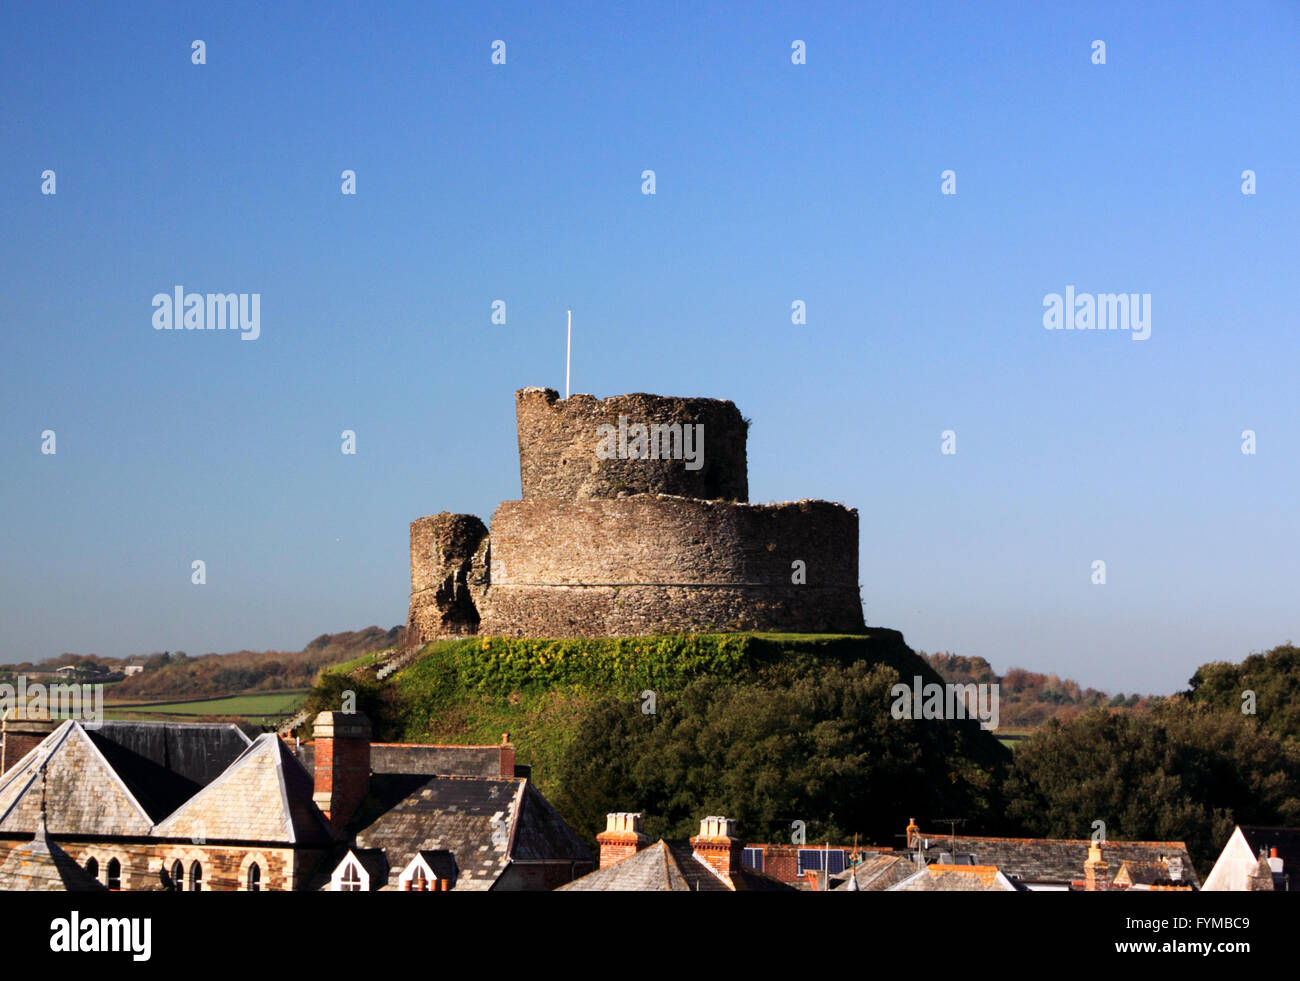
166, 763
83, 794
1235, 866
42, 866
671, 867
1147, 874
955, 878
875, 873
264, 795
1056, 860
484, 824
653, 869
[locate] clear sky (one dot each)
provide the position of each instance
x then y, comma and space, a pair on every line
775, 182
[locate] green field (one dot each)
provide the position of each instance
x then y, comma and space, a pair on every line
262, 708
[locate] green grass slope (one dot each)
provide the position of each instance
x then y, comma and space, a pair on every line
470, 691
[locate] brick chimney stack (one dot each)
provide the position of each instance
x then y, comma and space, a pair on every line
1096, 876
622, 838
23, 731
342, 764
717, 845
506, 757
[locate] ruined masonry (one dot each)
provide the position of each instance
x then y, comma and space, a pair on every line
629, 545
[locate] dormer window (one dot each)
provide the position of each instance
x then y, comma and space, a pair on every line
420, 876
351, 876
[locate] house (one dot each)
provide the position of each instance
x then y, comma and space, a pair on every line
1058, 864
709, 862
1252, 861
191, 807
805, 866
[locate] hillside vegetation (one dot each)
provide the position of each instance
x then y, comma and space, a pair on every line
769, 729
179, 676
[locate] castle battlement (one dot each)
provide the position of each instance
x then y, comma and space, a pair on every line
634, 520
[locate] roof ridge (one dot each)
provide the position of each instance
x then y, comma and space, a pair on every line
75, 726
249, 752
283, 753
16, 771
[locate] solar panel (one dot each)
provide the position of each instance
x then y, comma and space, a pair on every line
810, 860
835, 861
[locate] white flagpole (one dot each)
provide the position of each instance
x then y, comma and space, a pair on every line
568, 349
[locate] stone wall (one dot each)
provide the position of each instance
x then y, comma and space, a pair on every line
559, 439
449, 572
633, 545
650, 564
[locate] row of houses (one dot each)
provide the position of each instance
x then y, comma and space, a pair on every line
191, 807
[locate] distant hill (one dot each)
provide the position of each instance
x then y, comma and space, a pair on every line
175, 674
1027, 698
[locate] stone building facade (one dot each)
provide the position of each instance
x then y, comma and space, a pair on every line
634, 519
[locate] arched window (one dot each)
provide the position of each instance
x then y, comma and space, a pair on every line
254, 878
114, 874
418, 882
92, 868
178, 876
196, 877
351, 881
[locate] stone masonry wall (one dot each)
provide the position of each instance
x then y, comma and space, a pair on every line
559, 438
630, 545
649, 564
449, 572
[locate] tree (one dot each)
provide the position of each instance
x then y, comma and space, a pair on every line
823, 749
1179, 772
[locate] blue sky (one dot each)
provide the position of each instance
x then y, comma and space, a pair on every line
775, 182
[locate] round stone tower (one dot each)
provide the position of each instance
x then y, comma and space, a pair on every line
582, 447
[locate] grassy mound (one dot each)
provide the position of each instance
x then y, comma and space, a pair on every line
470, 691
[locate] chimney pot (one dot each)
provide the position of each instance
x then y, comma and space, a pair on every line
622, 837
718, 846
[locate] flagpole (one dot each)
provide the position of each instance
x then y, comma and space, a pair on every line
568, 350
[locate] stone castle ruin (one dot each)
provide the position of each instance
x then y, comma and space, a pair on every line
634, 519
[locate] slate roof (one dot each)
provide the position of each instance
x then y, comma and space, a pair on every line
1056, 861
955, 878
671, 867
412, 758
42, 866
166, 763
1147, 874
483, 825
264, 795
876, 873
84, 795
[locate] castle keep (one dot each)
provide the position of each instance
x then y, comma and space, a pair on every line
634, 519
